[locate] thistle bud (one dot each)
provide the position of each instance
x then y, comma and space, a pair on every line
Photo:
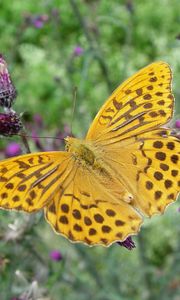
7, 90
10, 124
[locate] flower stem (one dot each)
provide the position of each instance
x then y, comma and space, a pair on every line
92, 43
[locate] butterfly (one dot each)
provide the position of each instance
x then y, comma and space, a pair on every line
98, 190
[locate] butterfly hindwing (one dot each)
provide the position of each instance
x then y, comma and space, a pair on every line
78, 203
149, 167
85, 210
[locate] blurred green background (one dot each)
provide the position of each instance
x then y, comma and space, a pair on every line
52, 47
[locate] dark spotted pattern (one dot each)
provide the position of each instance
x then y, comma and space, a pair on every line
92, 231
87, 221
119, 223
15, 198
160, 156
77, 228
4, 195
174, 173
157, 195
149, 185
106, 229
158, 144
98, 218
22, 188
170, 146
168, 183
9, 186
147, 97
174, 159
110, 212
158, 175
76, 214
65, 208
164, 167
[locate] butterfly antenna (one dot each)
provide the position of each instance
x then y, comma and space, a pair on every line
73, 107
25, 142
40, 137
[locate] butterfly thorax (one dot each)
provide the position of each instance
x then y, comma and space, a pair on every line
88, 155
82, 151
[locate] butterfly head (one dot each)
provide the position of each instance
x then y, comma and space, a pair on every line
72, 145
68, 143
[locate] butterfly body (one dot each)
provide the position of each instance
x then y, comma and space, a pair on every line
82, 151
128, 165
90, 157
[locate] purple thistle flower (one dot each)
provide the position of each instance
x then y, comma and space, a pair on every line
10, 124
177, 124
56, 255
38, 120
78, 51
7, 90
128, 243
13, 149
36, 21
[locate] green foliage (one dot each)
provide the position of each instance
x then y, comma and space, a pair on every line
117, 39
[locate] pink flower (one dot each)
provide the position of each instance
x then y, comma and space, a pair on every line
177, 123
37, 21
78, 51
13, 149
56, 255
38, 120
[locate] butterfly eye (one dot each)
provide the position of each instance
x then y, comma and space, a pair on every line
67, 147
66, 143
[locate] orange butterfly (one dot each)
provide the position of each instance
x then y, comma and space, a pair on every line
127, 166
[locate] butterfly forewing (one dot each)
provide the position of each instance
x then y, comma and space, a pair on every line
141, 103
28, 182
144, 158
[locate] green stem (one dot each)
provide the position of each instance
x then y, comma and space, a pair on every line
145, 266
25, 142
92, 44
